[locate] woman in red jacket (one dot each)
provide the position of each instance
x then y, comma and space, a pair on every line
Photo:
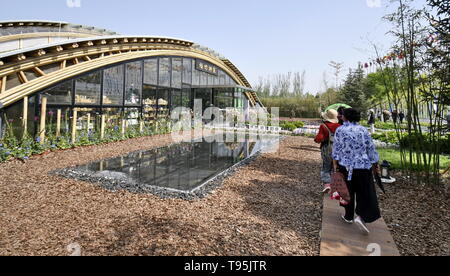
325, 139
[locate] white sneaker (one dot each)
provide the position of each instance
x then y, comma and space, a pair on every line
346, 221
327, 189
362, 226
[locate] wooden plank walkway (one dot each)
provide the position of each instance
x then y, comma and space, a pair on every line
341, 239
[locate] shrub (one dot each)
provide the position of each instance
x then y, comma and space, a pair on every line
291, 126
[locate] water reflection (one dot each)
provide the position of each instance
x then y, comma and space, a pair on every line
181, 167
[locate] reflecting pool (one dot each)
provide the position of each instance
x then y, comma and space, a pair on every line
183, 167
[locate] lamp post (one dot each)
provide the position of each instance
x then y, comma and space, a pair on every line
385, 172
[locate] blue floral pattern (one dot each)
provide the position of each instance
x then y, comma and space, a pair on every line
353, 148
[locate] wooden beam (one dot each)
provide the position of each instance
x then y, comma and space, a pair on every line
74, 126
42, 124
3, 84
123, 127
63, 64
38, 71
22, 77
86, 58
88, 121
102, 126
58, 123
75, 60
25, 115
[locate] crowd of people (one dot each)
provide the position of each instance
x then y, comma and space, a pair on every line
347, 148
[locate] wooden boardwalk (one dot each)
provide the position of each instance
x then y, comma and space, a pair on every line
341, 239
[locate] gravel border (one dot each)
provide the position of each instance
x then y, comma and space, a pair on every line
115, 185
271, 206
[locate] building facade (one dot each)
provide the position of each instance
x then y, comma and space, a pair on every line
73, 76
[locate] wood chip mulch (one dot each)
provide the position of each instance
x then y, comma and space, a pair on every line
418, 217
270, 207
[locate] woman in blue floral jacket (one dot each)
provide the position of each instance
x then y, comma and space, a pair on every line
355, 156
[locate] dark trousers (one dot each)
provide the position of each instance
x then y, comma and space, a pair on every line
363, 195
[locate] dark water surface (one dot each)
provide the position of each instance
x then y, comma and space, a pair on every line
180, 167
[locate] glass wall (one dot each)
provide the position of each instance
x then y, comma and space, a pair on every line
164, 72
223, 97
177, 67
88, 89
133, 83
149, 89
60, 94
151, 71
113, 81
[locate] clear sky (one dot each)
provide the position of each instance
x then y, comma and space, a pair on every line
261, 37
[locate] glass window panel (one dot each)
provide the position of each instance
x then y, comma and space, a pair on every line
149, 97
204, 94
132, 116
176, 72
187, 70
186, 97
113, 79
51, 119
223, 98
112, 119
32, 119
176, 99
195, 75
87, 89
164, 72
88, 121
222, 77
163, 102
210, 80
151, 71
60, 94
203, 79
133, 83
12, 118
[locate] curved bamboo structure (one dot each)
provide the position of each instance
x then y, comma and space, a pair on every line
77, 56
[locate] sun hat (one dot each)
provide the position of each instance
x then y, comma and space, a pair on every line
331, 116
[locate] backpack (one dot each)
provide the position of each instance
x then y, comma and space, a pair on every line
330, 139
330, 135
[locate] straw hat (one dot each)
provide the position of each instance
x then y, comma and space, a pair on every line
331, 116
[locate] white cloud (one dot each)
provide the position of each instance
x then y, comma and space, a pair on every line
73, 3
373, 3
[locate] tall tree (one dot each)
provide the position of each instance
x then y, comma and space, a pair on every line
352, 93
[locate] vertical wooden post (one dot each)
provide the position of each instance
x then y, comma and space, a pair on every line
88, 120
74, 126
3, 86
141, 126
25, 115
58, 122
123, 127
102, 127
42, 124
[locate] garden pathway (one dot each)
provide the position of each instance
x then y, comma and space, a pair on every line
340, 239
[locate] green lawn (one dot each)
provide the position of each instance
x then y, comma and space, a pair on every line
393, 156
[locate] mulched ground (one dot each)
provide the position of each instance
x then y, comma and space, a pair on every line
418, 217
270, 207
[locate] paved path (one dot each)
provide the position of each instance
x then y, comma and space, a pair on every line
340, 239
